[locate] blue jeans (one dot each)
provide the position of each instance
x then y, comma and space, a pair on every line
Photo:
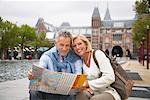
37, 95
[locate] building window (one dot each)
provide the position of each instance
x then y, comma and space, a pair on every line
117, 37
95, 31
113, 30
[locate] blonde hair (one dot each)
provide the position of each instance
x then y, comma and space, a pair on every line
85, 40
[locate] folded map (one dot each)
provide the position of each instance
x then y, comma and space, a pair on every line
55, 82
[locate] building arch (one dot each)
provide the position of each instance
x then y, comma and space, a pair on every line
117, 51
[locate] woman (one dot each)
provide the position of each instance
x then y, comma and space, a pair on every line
98, 87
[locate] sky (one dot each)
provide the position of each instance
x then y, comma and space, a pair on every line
76, 12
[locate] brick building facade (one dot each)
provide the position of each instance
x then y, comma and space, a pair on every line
114, 35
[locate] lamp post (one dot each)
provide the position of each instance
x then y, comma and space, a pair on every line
140, 53
148, 46
143, 39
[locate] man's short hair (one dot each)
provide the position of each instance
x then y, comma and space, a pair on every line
64, 34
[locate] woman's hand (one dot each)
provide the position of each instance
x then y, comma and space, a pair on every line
87, 88
85, 84
30, 75
90, 91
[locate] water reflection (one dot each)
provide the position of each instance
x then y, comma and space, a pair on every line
13, 70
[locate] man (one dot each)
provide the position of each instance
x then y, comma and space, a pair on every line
60, 58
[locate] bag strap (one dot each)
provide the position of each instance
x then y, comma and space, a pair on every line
96, 62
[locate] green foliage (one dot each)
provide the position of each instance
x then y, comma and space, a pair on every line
8, 36
42, 41
139, 28
142, 6
26, 34
1, 24
9, 33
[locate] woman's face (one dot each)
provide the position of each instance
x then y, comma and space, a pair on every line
79, 47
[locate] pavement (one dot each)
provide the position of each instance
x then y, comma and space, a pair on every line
18, 89
14, 90
135, 66
141, 89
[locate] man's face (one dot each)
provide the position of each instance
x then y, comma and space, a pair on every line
63, 45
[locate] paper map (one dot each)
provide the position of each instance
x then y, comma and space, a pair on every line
54, 82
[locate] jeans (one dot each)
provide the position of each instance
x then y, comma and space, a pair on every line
37, 95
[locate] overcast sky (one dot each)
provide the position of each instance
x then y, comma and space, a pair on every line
76, 12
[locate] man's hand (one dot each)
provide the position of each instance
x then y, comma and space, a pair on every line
30, 75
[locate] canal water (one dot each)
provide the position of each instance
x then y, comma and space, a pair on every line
14, 69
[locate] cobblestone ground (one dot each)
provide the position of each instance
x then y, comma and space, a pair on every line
135, 66
14, 69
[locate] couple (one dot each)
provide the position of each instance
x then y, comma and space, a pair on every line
61, 58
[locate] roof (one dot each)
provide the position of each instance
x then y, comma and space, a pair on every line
49, 27
96, 13
107, 15
113, 23
65, 24
40, 20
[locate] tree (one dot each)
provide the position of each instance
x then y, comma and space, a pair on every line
142, 7
139, 27
1, 30
26, 35
41, 41
8, 36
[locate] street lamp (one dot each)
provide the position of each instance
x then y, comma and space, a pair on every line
140, 52
148, 46
143, 39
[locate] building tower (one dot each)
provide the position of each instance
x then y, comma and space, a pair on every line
96, 24
107, 35
40, 27
107, 14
